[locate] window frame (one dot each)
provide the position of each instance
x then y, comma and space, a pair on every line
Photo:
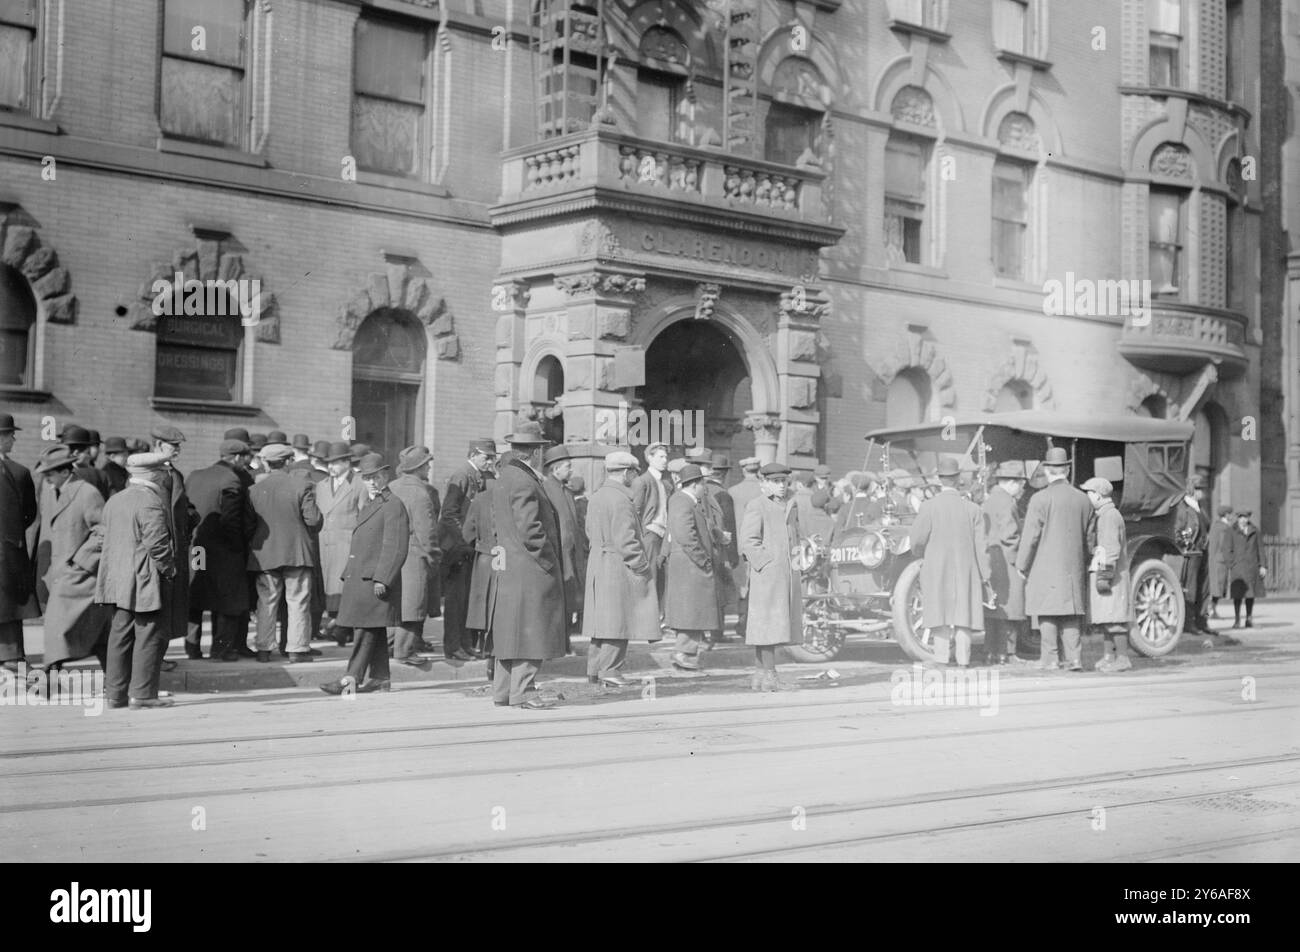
920, 205
241, 338
675, 84
34, 88
424, 128
1027, 171
1169, 42
29, 375
1179, 289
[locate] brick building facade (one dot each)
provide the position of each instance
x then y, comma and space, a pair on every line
803, 220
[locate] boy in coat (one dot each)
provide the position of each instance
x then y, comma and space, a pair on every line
621, 602
1246, 569
948, 532
137, 568
1108, 589
690, 600
371, 602
769, 532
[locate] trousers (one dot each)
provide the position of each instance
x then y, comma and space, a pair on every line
137, 642
513, 678
455, 590
605, 656
1070, 629
369, 655
291, 584
962, 638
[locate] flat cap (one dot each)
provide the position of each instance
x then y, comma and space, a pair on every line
822, 470
1098, 485
483, 445
775, 469
948, 466
618, 461
272, 452
232, 448
749, 462
1225, 510
656, 446
168, 434
140, 463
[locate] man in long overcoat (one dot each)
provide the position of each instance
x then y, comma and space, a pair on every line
1192, 530
479, 530
1109, 605
1053, 558
621, 602
371, 602
769, 533
18, 513
1245, 568
423, 557
68, 562
1002, 523
741, 494
651, 492
529, 615
137, 566
948, 532
225, 526
726, 534
573, 541
458, 557
1218, 553
690, 600
338, 497
167, 442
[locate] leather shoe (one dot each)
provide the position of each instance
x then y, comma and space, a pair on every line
614, 681
458, 655
228, 655
193, 652
535, 704
299, 657
680, 660
136, 703
315, 652
415, 661
371, 685
245, 652
339, 686
264, 657
169, 666
592, 679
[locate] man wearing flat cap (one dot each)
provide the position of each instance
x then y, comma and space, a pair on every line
621, 603
136, 570
1053, 559
1109, 608
18, 512
281, 552
114, 468
457, 556
225, 524
948, 534
1218, 554
573, 535
1002, 526
690, 601
741, 494
67, 563
372, 584
529, 613
423, 557
1192, 530
167, 442
338, 497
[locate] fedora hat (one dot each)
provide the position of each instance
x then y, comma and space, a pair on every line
337, 451
948, 466
527, 433
371, 464
7, 423
690, 474
301, 442
1010, 469
115, 444
55, 457
412, 458
720, 463
556, 454
1056, 456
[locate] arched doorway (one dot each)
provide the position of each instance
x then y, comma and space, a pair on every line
387, 381
17, 329
698, 369
1210, 451
548, 387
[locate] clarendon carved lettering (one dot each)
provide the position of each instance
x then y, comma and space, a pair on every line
721, 251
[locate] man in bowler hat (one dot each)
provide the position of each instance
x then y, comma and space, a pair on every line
114, 468
690, 597
18, 511
458, 557
423, 557
224, 528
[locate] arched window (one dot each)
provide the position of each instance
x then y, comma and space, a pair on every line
548, 383
792, 131
17, 321
663, 103
1014, 395
1154, 406
908, 400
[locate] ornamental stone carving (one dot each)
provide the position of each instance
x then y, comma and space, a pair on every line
913, 105
1018, 133
598, 239
1172, 161
401, 287
21, 248
706, 297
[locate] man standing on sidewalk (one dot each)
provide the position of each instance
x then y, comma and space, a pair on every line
620, 599
650, 493
338, 497
423, 557
17, 513
1053, 559
741, 494
1001, 517
281, 553
458, 558
690, 596
573, 540
136, 569
225, 526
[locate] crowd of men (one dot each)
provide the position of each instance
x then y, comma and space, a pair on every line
291, 541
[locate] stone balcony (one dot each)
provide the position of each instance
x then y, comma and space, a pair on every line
1182, 338
601, 168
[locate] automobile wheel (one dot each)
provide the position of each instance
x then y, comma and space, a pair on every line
905, 607
821, 643
1158, 608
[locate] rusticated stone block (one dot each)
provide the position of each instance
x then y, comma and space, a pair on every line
39, 262
143, 317
377, 285
52, 284
504, 379
801, 439
19, 242
579, 322
803, 345
447, 348
61, 310
614, 323
803, 392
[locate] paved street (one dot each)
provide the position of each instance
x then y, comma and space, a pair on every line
1169, 762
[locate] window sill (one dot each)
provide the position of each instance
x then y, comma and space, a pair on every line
220, 153
22, 120
23, 395
1010, 56
924, 269
215, 407
1188, 94
917, 29
1016, 284
401, 183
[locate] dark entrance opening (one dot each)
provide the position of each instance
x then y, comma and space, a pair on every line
387, 381
698, 368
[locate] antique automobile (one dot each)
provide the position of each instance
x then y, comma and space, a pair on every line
862, 575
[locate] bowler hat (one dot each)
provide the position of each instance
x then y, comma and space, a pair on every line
359, 450
7, 423
1098, 485
55, 457
948, 466
720, 463
556, 454
94, 437
320, 448
301, 442
74, 435
371, 464
168, 434
236, 433
412, 458
690, 474
822, 470
775, 469
1056, 456
617, 461
138, 463
483, 445
1010, 469
115, 444
527, 433
278, 436
257, 441
232, 448
337, 451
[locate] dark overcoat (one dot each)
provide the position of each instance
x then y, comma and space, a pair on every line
1107, 533
225, 526
1192, 530
478, 530
422, 554
18, 512
690, 599
573, 542
1054, 551
1001, 516
380, 542
71, 542
182, 519
116, 477
285, 507
1246, 559
138, 562
948, 534
462, 486
339, 517
528, 617
433, 597
1218, 554
621, 603
769, 532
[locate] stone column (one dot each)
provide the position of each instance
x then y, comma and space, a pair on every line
798, 372
766, 428
510, 299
